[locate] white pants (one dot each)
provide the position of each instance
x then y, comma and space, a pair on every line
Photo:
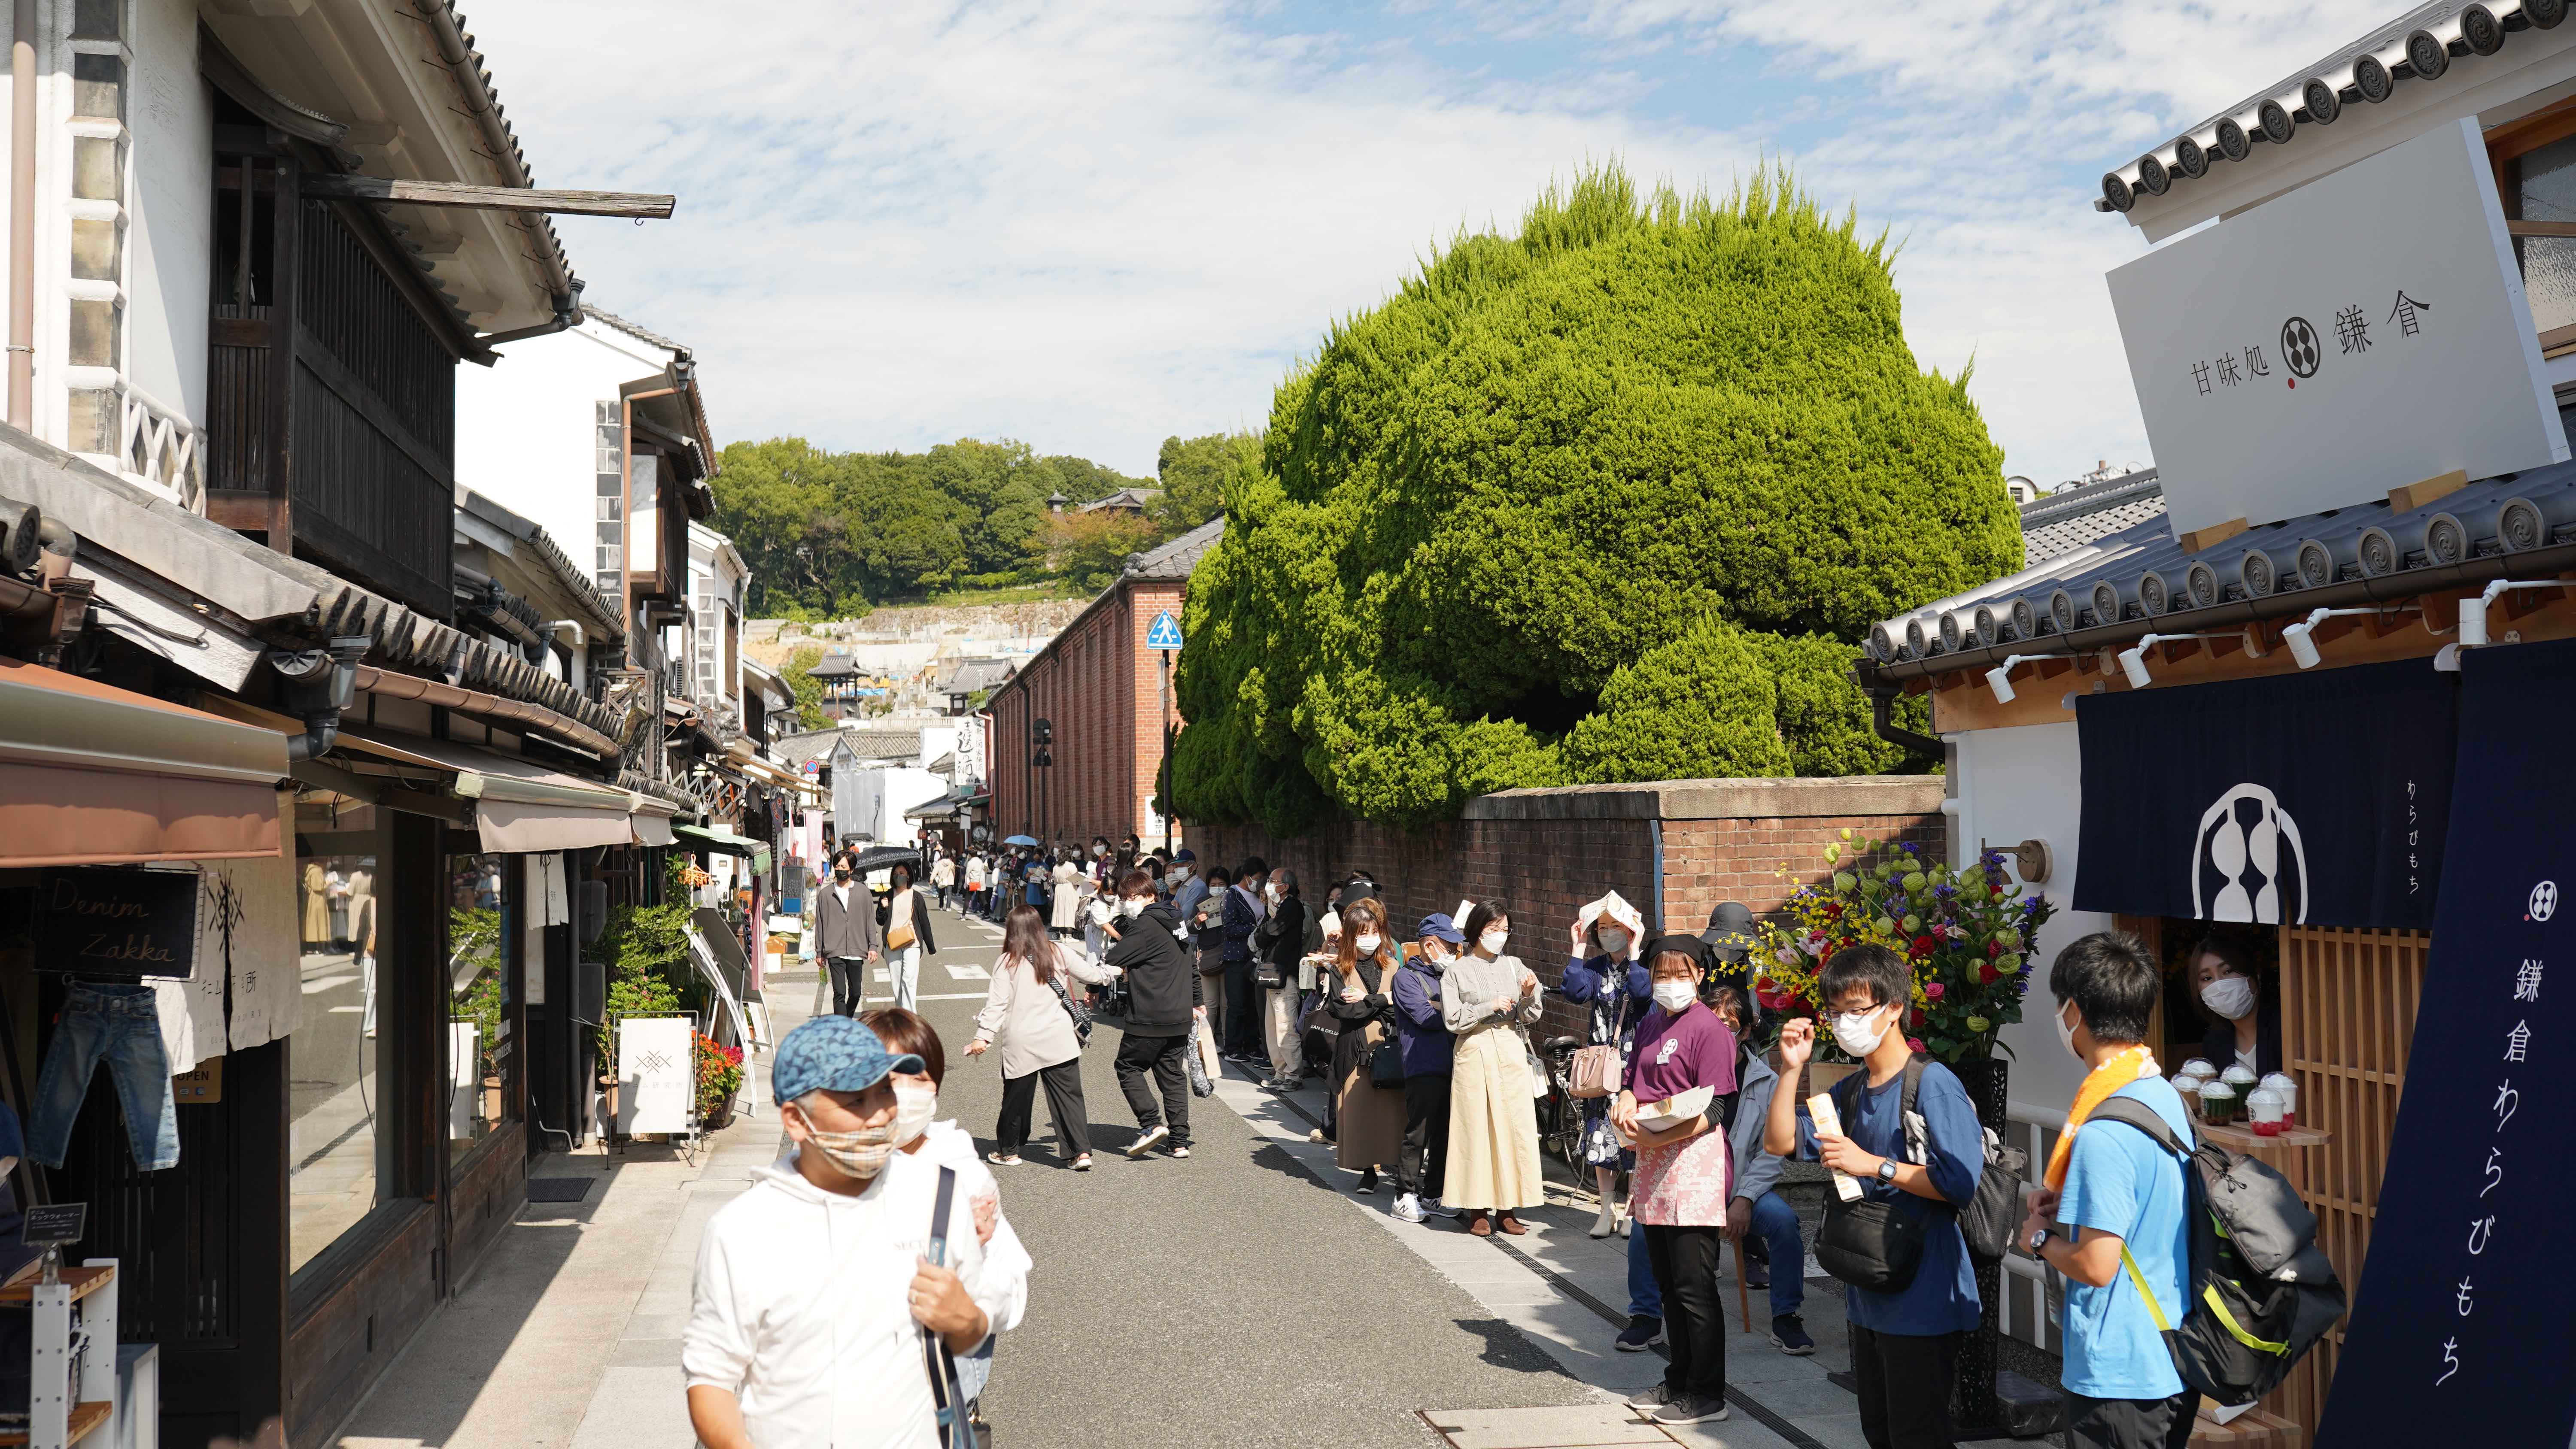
905, 967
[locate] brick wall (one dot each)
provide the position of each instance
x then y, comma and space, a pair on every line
1543, 853
1100, 687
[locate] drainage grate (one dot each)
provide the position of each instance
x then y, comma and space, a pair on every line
559, 1189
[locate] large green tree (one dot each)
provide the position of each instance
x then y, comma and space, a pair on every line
1195, 472
1609, 499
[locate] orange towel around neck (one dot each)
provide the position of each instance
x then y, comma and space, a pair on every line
2119, 1071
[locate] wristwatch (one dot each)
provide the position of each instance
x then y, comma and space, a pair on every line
1887, 1169
2039, 1240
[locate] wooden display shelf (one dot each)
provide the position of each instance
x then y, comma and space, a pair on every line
85, 1416
2253, 1429
82, 1281
2246, 1139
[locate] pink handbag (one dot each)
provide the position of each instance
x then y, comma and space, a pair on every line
1594, 1072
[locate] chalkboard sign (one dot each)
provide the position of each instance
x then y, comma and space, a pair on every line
117, 922
57, 1225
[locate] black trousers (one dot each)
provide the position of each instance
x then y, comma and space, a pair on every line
1160, 1055
1422, 1163
1685, 1264
1904, 1387
1063, 1083
2131, 1423
1242, 1009
849, 983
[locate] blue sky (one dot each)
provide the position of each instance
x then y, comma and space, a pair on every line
1091, 226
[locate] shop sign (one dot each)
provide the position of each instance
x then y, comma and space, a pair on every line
656, 1074
2363, 332
117, 921
2462, 1316
2302, 799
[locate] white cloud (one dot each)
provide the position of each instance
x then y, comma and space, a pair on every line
1091, 225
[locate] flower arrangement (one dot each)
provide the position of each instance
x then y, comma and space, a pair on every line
719, 1077
1968, 934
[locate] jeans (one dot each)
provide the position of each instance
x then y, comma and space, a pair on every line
904, 965
1422, 1163
117, 1024
1776, 1224
1160, 1055
1645, 1298
1685, 1263
849, 981
1063, 1083
1242, 1005
1904, 1387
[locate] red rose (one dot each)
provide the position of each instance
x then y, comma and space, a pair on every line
1833, 909
1995, 947
1922, 947
1914, 1022
1985, 974
1934, 990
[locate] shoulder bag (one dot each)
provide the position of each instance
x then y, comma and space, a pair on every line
898, 932
1877, 1242
1386, 1062
1594, 1072
947, 1396
1072, 1008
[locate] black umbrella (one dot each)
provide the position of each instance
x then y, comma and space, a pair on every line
878, 857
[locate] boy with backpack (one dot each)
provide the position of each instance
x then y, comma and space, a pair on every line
2112, 1216
1910, 1137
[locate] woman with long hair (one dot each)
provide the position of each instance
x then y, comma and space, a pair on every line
1028, 1011
905, 918
1487, 997
1368, 1119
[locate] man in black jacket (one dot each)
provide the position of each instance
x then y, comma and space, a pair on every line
1162, 1012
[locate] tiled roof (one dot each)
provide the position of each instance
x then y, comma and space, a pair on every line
474, 79
1176, 560
2064, 521
631, 329
884, 744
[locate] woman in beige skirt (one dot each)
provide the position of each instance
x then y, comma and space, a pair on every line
1368, 1119
1493, 1118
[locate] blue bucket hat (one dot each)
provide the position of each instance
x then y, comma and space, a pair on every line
1438, 927
832, 1054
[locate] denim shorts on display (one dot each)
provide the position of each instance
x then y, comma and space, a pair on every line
117, 1024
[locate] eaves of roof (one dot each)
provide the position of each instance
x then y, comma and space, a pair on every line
579, 586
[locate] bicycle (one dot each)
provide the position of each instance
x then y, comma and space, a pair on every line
1560, 1112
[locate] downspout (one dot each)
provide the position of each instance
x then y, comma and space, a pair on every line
580, 648
22, 215
320, 683
1882, 723
1655, 833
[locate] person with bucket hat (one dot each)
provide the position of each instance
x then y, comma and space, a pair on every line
815, 1288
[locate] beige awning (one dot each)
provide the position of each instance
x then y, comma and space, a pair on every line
523, 808
95, 775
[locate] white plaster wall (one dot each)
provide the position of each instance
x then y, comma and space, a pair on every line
170, 213
2014, 785
524, 426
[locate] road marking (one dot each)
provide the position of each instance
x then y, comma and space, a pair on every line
325, 983
938, 996
969, 972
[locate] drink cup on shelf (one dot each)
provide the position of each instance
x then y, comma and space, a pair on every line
2218, 1104
2264, 1107
2288, 1087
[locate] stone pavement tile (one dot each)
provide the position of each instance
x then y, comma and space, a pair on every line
1799, 1400
637, 1408
1585, 1426
662, 1354
1738, 1430
1751, 1359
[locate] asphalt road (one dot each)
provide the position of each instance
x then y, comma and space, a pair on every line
1226, 1300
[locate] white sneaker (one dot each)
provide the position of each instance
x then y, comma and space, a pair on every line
1142, 1145
1407, 1208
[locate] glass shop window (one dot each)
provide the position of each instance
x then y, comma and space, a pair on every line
337, 1155
480, 994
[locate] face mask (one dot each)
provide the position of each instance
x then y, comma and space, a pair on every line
2230, 996
1131, 908
1675, 997
1614, 940
1271, 891
1367, 944
915, 1103
860, 1154
1493, 941
1437, 955
2066, 1032
1181, 874
1853, 1034
1100, 850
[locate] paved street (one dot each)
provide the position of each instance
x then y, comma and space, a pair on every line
1247, 1296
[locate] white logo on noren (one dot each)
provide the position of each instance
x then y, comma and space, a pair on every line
2249, 847
2544, 900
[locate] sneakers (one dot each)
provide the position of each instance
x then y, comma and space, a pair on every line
1082, 1163
1003, 1159
1368, 1180
1180, 1152
1433, 1207
1642, 1333
1757, 1274
1791, 1336
1407, 1209
1147, 1142
1689, 1409
1652, 1396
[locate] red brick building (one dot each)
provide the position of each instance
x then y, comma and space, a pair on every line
1105, 692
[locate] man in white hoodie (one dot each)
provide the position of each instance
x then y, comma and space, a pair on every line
816, 1300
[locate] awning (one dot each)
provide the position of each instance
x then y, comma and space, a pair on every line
652, 828
520, 807
725, 842
98, 775
933, 809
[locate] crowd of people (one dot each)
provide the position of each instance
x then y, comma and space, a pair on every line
1423, 1037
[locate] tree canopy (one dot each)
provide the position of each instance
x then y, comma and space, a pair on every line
1611, 499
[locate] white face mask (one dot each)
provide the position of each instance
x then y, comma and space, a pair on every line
1853, 1034
1271, 890
1614, 941
2066, 1031
1180, 873
1132, 907
1493, 941
1675, 997
1367, 944
915, 1103
2230, 996
860, 1154
1101, 851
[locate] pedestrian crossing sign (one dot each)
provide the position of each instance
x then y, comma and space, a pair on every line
1165, 633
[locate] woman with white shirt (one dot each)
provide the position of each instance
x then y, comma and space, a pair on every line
1026, 1010
1493, 1117
906, 923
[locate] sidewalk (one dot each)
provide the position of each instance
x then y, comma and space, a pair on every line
558, 1339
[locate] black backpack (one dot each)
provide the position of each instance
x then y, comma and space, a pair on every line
1876, 1244
2262, 1291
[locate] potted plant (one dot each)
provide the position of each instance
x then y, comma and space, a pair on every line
719, 1079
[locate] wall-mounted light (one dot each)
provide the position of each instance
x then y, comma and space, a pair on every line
2301, 636
2473, 612
1999, 678
2133, 660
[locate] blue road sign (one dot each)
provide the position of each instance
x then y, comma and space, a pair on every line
1165, 633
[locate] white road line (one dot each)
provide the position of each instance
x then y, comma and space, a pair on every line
325, 983
936, 996
968, 972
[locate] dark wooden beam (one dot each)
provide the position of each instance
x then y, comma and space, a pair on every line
491, 198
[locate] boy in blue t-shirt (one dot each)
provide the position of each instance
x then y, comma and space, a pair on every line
2122, 1194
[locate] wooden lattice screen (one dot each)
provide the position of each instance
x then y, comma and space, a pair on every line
2348, 1002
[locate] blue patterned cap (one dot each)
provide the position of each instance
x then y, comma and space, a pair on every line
832, 1054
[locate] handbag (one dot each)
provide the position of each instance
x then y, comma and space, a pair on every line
1386, 1064
899, 934
1265, 974
1072, 1008
1199, 1057
1594, 1073
1875, 1243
